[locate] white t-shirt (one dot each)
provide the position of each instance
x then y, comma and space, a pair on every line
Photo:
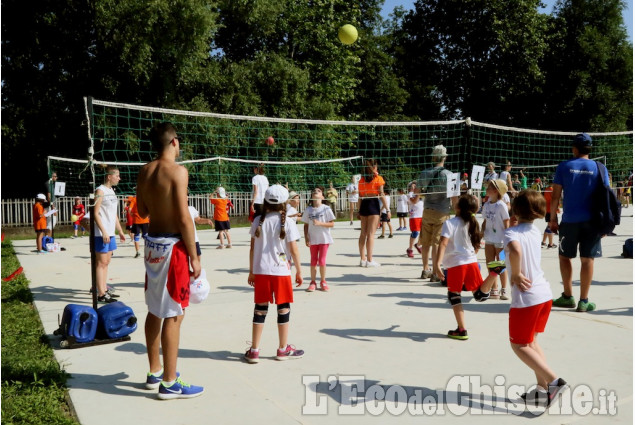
503, 175
459, 250
319, 235
292, 211
194, 214
262, 183
495, 213
402, 203
108, 211
506, 199
529, 238
270, 252
383, 209
352, 197
416, 209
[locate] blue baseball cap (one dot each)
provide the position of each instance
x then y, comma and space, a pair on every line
582, 139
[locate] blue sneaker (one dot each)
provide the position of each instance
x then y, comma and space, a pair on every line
179, 390
153, 381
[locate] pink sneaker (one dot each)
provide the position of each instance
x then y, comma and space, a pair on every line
252, 356
410, 254
324, 286
311, 287
289, 353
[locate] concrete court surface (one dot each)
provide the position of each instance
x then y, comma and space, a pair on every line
379, 333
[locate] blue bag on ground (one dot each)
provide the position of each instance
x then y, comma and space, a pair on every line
116, 320
78, 322
627, 248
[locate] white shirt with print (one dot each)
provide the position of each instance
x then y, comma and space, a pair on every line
495, 213
459, 250
317, 234
270, 252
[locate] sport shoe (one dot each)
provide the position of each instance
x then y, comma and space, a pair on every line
137, 255
553, 245
536, 397
504, 294
311, 287
496, 266
372, 264
289, 353
556, 390
228, 246
434, 278
585, 306
106, 299
362, 263
324, 286
220, 247
380, 237
426, 274
543, 244
153, 381
410, 254
481, 296
494, 294
252, 356
179, 389
351, 223
564, 301
390, 236
418, 247
457, 334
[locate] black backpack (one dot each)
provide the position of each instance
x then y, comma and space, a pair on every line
605, 212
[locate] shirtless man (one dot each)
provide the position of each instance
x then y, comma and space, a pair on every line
162, 194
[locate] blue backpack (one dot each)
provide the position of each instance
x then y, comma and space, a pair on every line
606, 211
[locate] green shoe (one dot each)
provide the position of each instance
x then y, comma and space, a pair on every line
496, 266
564, 301
584, 307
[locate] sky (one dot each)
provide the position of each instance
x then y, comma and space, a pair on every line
389, 5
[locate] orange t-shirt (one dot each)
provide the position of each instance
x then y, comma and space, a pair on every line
220, 209
39, 221
547, 194
370, 188
136, 218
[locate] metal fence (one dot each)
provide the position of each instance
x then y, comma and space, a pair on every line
19, 212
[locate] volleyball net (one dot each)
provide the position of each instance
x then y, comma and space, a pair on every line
222, 150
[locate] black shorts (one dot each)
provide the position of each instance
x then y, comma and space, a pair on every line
384, 218
221, 225
369, 206
582, 235
400, 215
258, 210
198, 249
140, 229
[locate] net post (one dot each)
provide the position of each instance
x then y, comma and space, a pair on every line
93, 256
467, 138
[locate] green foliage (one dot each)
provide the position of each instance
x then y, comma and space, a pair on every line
33, 386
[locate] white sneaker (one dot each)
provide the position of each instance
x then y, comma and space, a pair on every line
372, 264
362, 263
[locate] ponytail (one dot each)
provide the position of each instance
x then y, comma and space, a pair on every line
468, 206
283, 218
262, 219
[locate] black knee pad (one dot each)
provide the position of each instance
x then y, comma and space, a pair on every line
454, 298
284, 317
260, 313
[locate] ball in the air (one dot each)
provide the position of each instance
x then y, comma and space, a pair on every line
270, 141
347, 34
74, 218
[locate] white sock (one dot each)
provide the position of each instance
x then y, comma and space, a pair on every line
168, 384
159, 373
554, 383
255, 350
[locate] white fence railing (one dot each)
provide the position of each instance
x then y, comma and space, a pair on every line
19, 212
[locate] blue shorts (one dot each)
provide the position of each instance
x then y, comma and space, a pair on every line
573, 234
103, 248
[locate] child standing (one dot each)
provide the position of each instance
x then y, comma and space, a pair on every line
416, 215
221, 218
292, 206
79, 211
402, 209
318, 220
548, 234
384, 217
495, 221
531, 295
270, 273
197, 219
459, 243
39, 221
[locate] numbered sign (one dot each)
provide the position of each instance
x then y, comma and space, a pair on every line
454, 185
478, 173
60, 188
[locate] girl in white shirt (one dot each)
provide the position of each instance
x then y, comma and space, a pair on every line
270, 272
402, 209
318, 219
459, 243
495, 221
531, 294
416, 215
259, 183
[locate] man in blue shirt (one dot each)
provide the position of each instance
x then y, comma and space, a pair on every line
577, 178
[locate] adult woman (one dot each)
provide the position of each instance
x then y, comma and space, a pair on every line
371, 189
106, 222
260, 184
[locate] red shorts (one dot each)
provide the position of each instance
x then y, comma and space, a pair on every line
468, 275
415, 224
525, 322
269, 287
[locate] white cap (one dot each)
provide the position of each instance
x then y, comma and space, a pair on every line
276, 194
199, 288
439, 151
221, 192
41, 196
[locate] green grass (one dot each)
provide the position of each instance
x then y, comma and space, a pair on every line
33, 386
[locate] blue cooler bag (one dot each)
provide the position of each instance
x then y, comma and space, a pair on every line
78, 322
116, 320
